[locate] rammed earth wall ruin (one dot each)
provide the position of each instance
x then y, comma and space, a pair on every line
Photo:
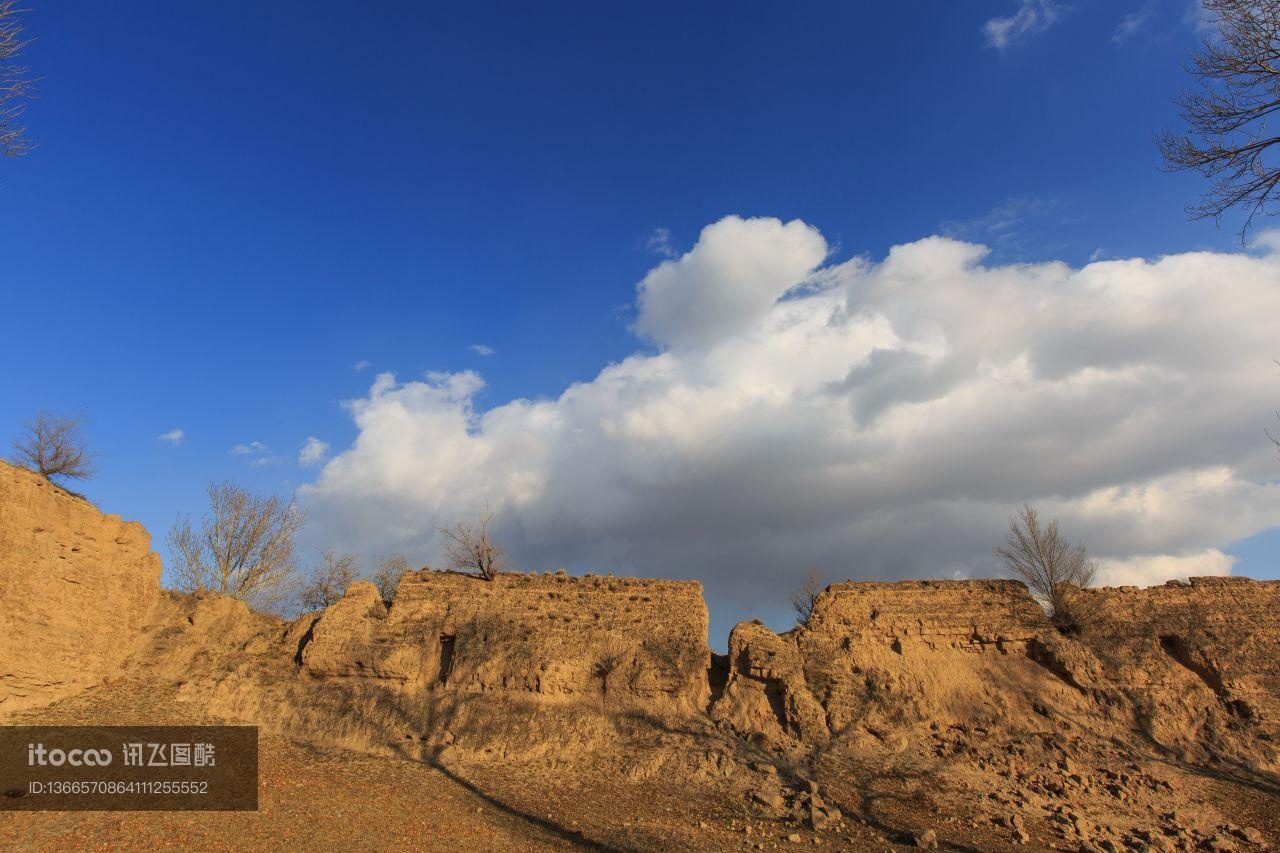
1191, 666
76, 587
555, 636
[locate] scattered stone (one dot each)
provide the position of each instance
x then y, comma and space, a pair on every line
1247, 833
771, 799
927, 840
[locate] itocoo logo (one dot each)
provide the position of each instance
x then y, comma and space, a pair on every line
38, 756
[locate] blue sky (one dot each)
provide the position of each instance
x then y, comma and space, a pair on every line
234, 204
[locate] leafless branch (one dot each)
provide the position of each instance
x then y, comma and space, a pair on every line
329, 581
469, 549
1229, 138
15, 86
607, 661
806, 596
244, 546
388, 576
54, 447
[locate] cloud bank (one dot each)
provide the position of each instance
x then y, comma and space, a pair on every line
872, 420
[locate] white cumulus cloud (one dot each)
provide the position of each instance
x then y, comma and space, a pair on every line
481, 349
882, 421
1150, 570
1031, 18
313, 452
729, 282
173, 436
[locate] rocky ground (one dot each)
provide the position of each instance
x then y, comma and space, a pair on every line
958, 789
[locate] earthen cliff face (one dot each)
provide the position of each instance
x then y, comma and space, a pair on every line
76, 587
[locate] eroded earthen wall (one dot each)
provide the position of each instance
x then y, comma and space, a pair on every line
1221, 631
76, 586
552, 635
877, 653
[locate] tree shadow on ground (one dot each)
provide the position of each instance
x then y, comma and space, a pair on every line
545, 824
442, 710
1234, 771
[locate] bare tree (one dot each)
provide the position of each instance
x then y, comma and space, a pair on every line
242, 548
329, 581
54, 447
1054, 570
388, 576
15, 87
469, 549
806, 596
1229, 112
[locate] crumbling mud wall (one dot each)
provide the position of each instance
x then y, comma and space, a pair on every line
1198, 663
934, 645
619, 641
76, 586
1190, 668
878, 656
1223, 632
551, 668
